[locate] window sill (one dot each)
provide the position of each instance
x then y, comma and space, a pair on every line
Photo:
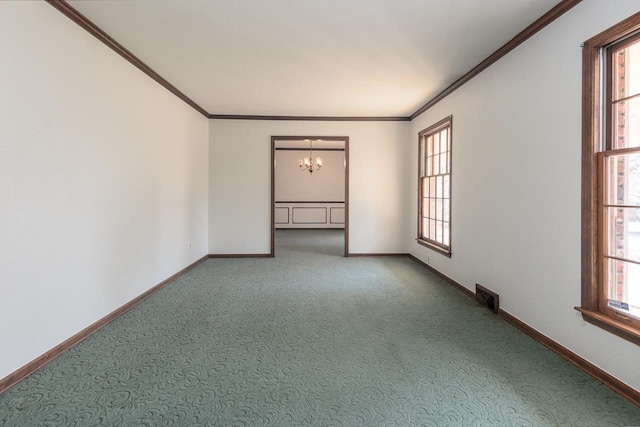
616, 327
436, 248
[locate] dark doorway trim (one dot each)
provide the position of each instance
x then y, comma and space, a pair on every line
273, 184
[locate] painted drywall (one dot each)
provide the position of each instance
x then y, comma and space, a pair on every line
294, 185
103, 182
240, 183
516, 185
325, 184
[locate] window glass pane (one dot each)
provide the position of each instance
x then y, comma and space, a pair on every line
626, 75
434, 204
425, 187
633, 179
446, 239
447, 186
623, 179
623, 293
443, 141
626, 123
633, 74
446, 203
615, 165
624, 233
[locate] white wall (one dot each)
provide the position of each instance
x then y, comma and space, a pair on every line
240, 183
516, 185
326, 184
103, 181
294, 185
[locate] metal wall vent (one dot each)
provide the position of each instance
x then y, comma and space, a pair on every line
487, 298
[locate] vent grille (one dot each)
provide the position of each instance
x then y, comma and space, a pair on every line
487, 298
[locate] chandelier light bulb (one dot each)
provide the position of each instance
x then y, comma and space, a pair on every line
309, 163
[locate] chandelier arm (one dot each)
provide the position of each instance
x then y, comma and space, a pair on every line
310, 163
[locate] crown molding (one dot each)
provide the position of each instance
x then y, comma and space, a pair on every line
311, 118
558, 10
546, 19
71, 13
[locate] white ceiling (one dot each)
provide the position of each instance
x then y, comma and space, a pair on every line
312, 58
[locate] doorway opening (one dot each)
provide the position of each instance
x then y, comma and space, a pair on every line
315, 199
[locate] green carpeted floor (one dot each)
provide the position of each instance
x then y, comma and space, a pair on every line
310, 339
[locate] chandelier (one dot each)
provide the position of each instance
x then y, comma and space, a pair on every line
309, 163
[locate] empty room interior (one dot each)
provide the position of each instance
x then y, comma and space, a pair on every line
320, 213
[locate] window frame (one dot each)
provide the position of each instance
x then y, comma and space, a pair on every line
594, 148
446, 123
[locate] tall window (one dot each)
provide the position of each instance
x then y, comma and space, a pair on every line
611, 180
434, 187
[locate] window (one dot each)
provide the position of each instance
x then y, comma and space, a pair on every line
611, 180
434, 187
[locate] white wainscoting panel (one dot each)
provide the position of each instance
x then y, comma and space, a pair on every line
282, 215
336, 215
309, 215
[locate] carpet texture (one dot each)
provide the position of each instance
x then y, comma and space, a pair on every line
311, 339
